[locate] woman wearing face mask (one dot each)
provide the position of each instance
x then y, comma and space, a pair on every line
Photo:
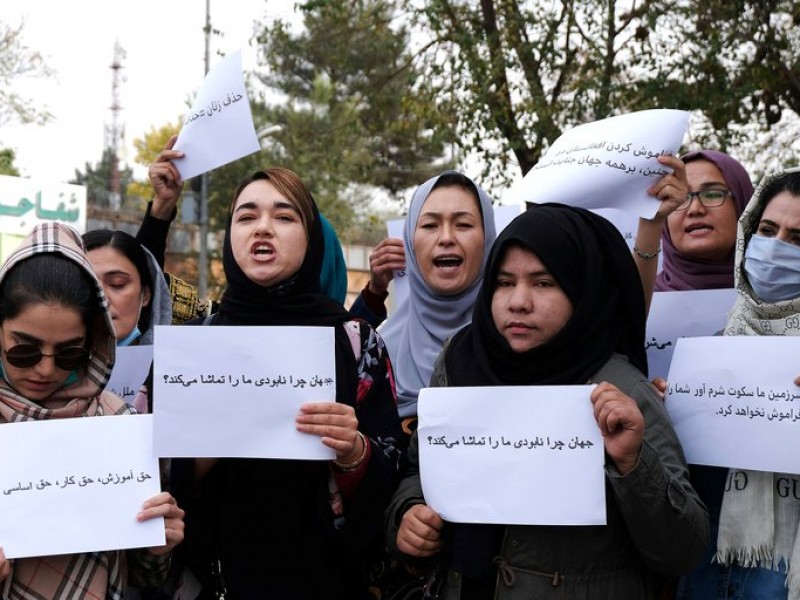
561, 303
56, 348
447, 235
755, 533
133, 282
297, 529
138, 296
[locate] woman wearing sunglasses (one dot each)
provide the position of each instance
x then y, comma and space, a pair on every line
56, 351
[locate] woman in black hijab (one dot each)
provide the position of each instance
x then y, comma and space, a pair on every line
296, 529
562, 304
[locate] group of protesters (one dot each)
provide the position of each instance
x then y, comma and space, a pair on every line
557, 298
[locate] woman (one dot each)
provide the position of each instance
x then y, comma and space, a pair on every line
767, 279
561, 303
57, 345
133, 283
447, 236
162, 210
284, 528
137, 294
699, 237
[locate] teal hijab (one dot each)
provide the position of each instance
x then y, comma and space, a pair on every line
333, 277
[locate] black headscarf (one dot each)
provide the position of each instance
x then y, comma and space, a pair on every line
295, 301
284, 500
591, 262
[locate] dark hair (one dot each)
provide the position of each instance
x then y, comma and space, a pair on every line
289, 185
131, 249
459, 180
50, 279
787, 182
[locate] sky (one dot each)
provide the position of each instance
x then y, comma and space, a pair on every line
164, 64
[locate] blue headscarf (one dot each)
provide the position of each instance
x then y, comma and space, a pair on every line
333, 276
415, 333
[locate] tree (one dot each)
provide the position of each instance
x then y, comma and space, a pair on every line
147, 149
18, 61
738, 65
518, 73
352, 108
97, 181
7, 167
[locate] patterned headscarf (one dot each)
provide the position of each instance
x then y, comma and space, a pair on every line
96, 574
750, 315
757, 526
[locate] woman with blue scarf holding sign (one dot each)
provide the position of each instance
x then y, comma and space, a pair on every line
755, 547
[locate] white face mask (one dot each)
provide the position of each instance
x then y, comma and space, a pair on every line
773, 268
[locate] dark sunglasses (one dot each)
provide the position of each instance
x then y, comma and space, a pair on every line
24, 356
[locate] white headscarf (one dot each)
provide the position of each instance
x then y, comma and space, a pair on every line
415, 333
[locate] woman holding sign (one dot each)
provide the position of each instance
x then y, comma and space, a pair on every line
755, 524
56, 351
699, 235
561, 303
447, 236
297, 528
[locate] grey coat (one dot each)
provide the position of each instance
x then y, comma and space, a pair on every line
657, 527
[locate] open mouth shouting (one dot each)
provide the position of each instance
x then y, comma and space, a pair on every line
262, 251
448, 262
698, 229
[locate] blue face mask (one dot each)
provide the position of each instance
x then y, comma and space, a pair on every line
773, 268
130, 338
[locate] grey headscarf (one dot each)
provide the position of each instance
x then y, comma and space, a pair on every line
160, 300
416, 331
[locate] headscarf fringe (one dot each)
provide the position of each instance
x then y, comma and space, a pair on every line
758, 556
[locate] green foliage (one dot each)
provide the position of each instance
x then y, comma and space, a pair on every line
353, 107
7, 167
147, 149
18, 61
98, 179
518, 73
737, 62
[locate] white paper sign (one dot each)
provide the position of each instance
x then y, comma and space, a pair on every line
673, 315
733, 401
219, 127
131, 366
76, 485
235, 391
512, 455
607, 163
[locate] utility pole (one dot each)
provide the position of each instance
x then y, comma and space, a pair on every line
202, 266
